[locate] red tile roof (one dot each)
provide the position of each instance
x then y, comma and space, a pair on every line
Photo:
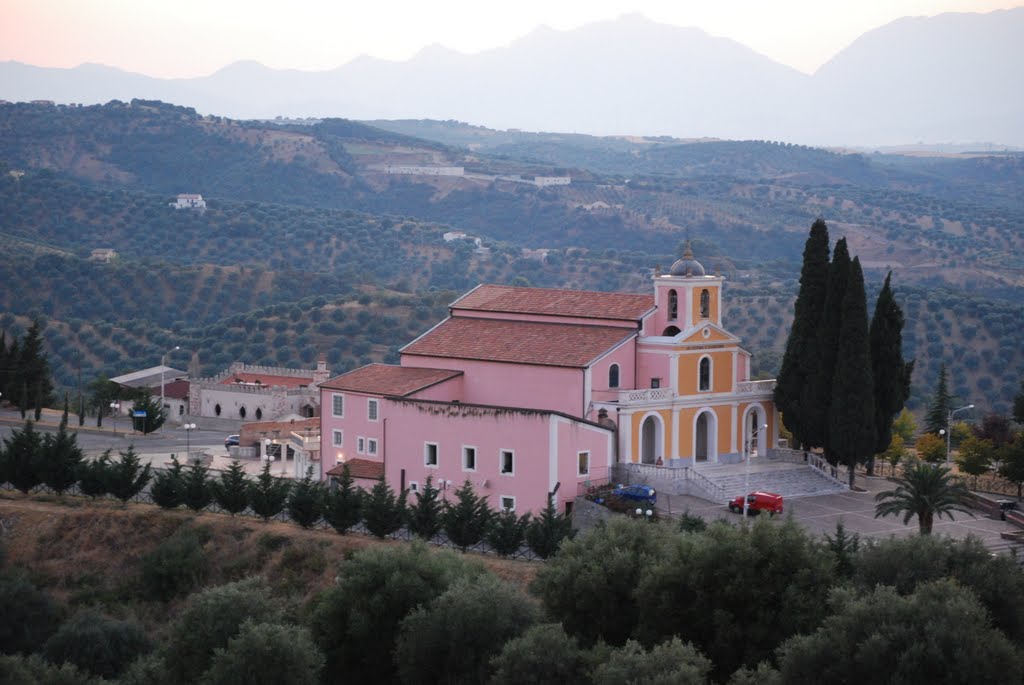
386, 379
523, 342
177, 390
360, 468
547, 302
267, 380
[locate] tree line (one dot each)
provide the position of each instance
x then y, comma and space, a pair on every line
25, 371
842, 379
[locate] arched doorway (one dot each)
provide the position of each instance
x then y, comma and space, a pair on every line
755, 440
705, 443
650, 440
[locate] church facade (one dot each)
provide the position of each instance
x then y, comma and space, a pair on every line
531, 393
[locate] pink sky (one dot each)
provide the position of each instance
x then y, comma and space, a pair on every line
196, 37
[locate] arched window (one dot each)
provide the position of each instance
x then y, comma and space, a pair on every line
241, 412
673, 305
705, 304
216, 410
259, 413
613, 376
670, 332
705, 374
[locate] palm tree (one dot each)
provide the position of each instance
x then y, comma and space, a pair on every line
924, 490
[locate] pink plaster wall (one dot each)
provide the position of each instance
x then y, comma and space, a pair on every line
574, 437
625, 357
659, 321
452, 389
653, 365
513, 385
355, 424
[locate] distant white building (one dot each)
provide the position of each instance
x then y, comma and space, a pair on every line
427, 170
454, 235
543, 181
189, 201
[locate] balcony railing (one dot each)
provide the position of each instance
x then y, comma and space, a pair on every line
648, 395
755, 387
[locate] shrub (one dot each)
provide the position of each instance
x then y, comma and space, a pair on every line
175, 566
28, 617
266, 654
97, 644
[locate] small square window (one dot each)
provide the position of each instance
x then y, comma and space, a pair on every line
655, 383
469, 459
371, 446
508, 503
371, 410
360, 445
583, 464
414, 486
338, 405
338, 438
508, 462
430, 454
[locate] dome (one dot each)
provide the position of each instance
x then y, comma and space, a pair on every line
687, 266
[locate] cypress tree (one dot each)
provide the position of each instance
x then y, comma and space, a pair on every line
60, 460
198, 494
851, 417
232, 491
168, 489
34, 367
128, 475
305, 502
94, 476
267, 494
466, 521
343, 504
891, 375
546, 532
21, 457
801, 345
942, 403
1018, 404
383, 513
817, 393
424, 515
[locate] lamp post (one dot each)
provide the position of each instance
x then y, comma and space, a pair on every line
746, 484
114, 408
189, 427
163, 365
949, 429
267, 456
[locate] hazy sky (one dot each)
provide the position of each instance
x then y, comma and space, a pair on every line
196, 37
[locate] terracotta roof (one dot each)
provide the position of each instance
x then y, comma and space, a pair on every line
547, 302
360, 468
387, 379
523, 342
177, 390
267, 380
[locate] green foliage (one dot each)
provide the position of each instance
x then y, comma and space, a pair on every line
851, 435
907, 563
930, 448
589, 585
34, 670
976, 455
467, 519
29, 615
691, 523
211, 619
924, 490
801, 345
355, 624
546, 532
19, 460
735, 593
94, 476
266, 654
155, 416
543, 655
267, 494
904, 425
59, 460
198, 492
1018, 404
343, 503
231, 492
454, 637
668, 663
175, 566
937, 634
168, 489
97, 644
942, 402
127, 476
305, 502
423, 518
1011, 462
816, 396
507, 532
845, 548
383, 513
896, 452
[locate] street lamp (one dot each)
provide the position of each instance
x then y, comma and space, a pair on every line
163, 365
189, 427
746, 457
949, 429
267, 456
114, 407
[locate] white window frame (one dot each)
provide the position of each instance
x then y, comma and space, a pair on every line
414, 487
501, 462
579, 471
335, 398
360, 445
711, 373
506, 498
371, 446
372, 410
476, 454
338, 438
426, 455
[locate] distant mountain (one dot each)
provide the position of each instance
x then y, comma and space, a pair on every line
946, 79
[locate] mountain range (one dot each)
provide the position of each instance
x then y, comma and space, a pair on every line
945, 79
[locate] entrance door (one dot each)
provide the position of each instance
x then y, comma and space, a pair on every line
701, 452
650, 441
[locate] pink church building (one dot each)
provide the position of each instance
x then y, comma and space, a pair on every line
529, 393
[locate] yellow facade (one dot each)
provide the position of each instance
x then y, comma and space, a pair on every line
712, 305
721, 372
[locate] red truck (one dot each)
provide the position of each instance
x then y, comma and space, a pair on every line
757, 502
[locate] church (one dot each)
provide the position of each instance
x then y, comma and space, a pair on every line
531, 393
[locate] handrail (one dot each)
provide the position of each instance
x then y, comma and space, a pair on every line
815, 461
